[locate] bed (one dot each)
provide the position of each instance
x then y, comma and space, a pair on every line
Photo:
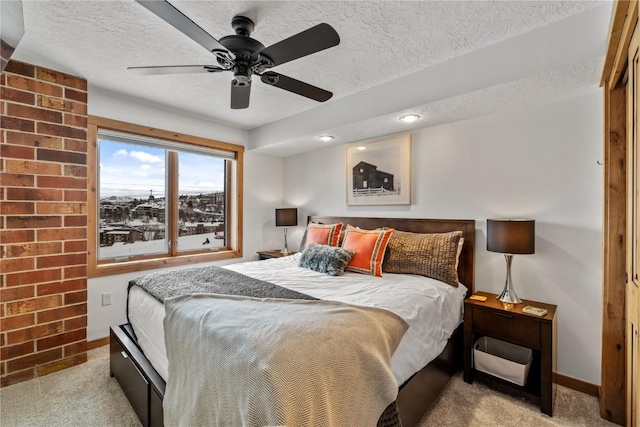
139, 363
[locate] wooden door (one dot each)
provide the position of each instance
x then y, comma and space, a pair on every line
633, 233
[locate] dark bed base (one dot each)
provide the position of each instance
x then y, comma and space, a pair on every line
418, 394
145, 388
140, 382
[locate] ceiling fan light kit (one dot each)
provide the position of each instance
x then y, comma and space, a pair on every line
245, 56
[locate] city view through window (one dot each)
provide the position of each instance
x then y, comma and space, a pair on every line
133, 207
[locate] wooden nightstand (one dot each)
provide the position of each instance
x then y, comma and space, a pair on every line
272, 254
490, 318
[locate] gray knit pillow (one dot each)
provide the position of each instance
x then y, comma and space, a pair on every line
432, 255
325, 259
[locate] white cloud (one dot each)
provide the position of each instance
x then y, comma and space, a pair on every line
146, 157
145, 167
120, 153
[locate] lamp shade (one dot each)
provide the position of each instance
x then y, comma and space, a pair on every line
286, 217
511, 236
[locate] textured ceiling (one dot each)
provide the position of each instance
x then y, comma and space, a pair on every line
536, 90
380, 41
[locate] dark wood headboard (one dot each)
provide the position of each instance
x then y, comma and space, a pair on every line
466, 266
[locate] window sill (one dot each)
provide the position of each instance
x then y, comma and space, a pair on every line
155, 263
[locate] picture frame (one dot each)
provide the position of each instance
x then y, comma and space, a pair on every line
379, 171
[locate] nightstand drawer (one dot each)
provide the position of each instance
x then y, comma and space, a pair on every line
507, 326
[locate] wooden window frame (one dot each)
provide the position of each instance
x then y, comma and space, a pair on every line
233, 203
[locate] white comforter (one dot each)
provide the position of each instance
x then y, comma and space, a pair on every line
432, 309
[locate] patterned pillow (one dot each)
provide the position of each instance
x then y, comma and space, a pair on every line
325, 234
325, 259
431, 255
459, 251
369, 247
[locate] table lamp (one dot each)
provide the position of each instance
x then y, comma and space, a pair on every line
510, 237
286, 217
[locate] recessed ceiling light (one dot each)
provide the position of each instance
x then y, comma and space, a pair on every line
362, 148
410, 118
325, 138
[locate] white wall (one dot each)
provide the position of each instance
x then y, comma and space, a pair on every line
262, 195
538, 163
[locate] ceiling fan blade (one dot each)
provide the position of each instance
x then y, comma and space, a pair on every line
240, 95
175, 69
296, 86
178, 20
313, 40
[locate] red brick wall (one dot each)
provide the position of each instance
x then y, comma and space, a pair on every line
43, 219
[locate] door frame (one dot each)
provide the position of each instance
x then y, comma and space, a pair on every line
613, 390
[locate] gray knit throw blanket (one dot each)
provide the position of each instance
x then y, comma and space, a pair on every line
210, 280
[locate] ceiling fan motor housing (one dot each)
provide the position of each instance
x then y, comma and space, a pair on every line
241, 44
243, 48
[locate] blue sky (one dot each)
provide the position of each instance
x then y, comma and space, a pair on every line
132, 170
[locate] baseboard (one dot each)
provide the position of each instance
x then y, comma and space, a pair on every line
576, 384
97, 343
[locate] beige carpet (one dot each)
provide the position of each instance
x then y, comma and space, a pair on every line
476, 405
86, 395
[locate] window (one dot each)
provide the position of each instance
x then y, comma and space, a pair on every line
158, 198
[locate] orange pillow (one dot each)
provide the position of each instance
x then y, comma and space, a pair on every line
368, 247
324, 234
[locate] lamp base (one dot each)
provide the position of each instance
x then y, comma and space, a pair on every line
285, 249
508, 294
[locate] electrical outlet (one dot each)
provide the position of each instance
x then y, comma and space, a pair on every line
106, 299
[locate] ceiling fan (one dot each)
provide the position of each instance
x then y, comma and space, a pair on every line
245, 56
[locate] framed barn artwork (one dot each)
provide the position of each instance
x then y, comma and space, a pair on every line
379, 171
